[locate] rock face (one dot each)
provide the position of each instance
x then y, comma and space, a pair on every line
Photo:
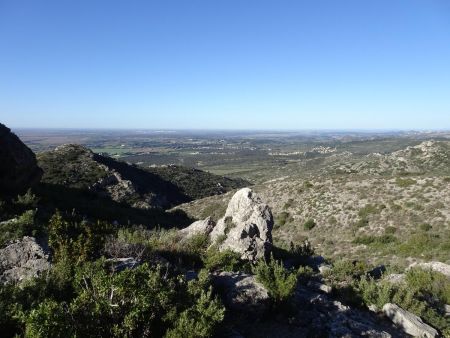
18, 168
409, 322
22, 259
200, 227
241, 292
246, 227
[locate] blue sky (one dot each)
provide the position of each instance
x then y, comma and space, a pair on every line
318, 64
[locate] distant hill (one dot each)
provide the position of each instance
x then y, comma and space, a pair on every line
77, 167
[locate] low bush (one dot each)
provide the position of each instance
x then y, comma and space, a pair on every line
226, 260
279, 281
309, 224
371, 239
346, 271
405, 182
283, 218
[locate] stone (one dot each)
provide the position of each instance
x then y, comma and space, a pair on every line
395, 278
120, 264
409, 322
241, 292
324, 268
203, 227
319, 287
435, 266
18, 167
246, 227
377, 272
335, 319
447, 310
22, 260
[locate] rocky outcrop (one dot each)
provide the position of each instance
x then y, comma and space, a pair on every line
319, 315
246, 227
409, 322
241, 292
18, 167
23, 259
203, 227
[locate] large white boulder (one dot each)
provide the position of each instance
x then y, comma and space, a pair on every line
200, 227
409, 322
246, 227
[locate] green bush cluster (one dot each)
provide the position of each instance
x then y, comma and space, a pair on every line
18, 218
424, 293
226, 260
82, 240
405, 182
140, 302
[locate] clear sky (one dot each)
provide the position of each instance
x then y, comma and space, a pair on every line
247, 64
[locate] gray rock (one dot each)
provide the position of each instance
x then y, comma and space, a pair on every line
409, 322
120, 264
435, 266
447, 310
395, 278
22, 260
377, 272
241, 292
246, 227
324, 268
334, 319
200, 227
319, 287
18, 166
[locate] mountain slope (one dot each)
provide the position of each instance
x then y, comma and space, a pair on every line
77, 167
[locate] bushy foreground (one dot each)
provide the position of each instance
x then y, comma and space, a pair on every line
91, 301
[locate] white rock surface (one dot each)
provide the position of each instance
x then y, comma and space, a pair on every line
241, 292
200, 227
409, 322
435, 266
246, 227
22, 260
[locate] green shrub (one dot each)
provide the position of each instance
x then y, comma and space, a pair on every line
80, 240
23, 225
374, 240
309, 224
346, 271
429, 284
405, 182
389, 230
226, 260
283, 218
132, 303
424, 293
425, 227
28, 200
279, 281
